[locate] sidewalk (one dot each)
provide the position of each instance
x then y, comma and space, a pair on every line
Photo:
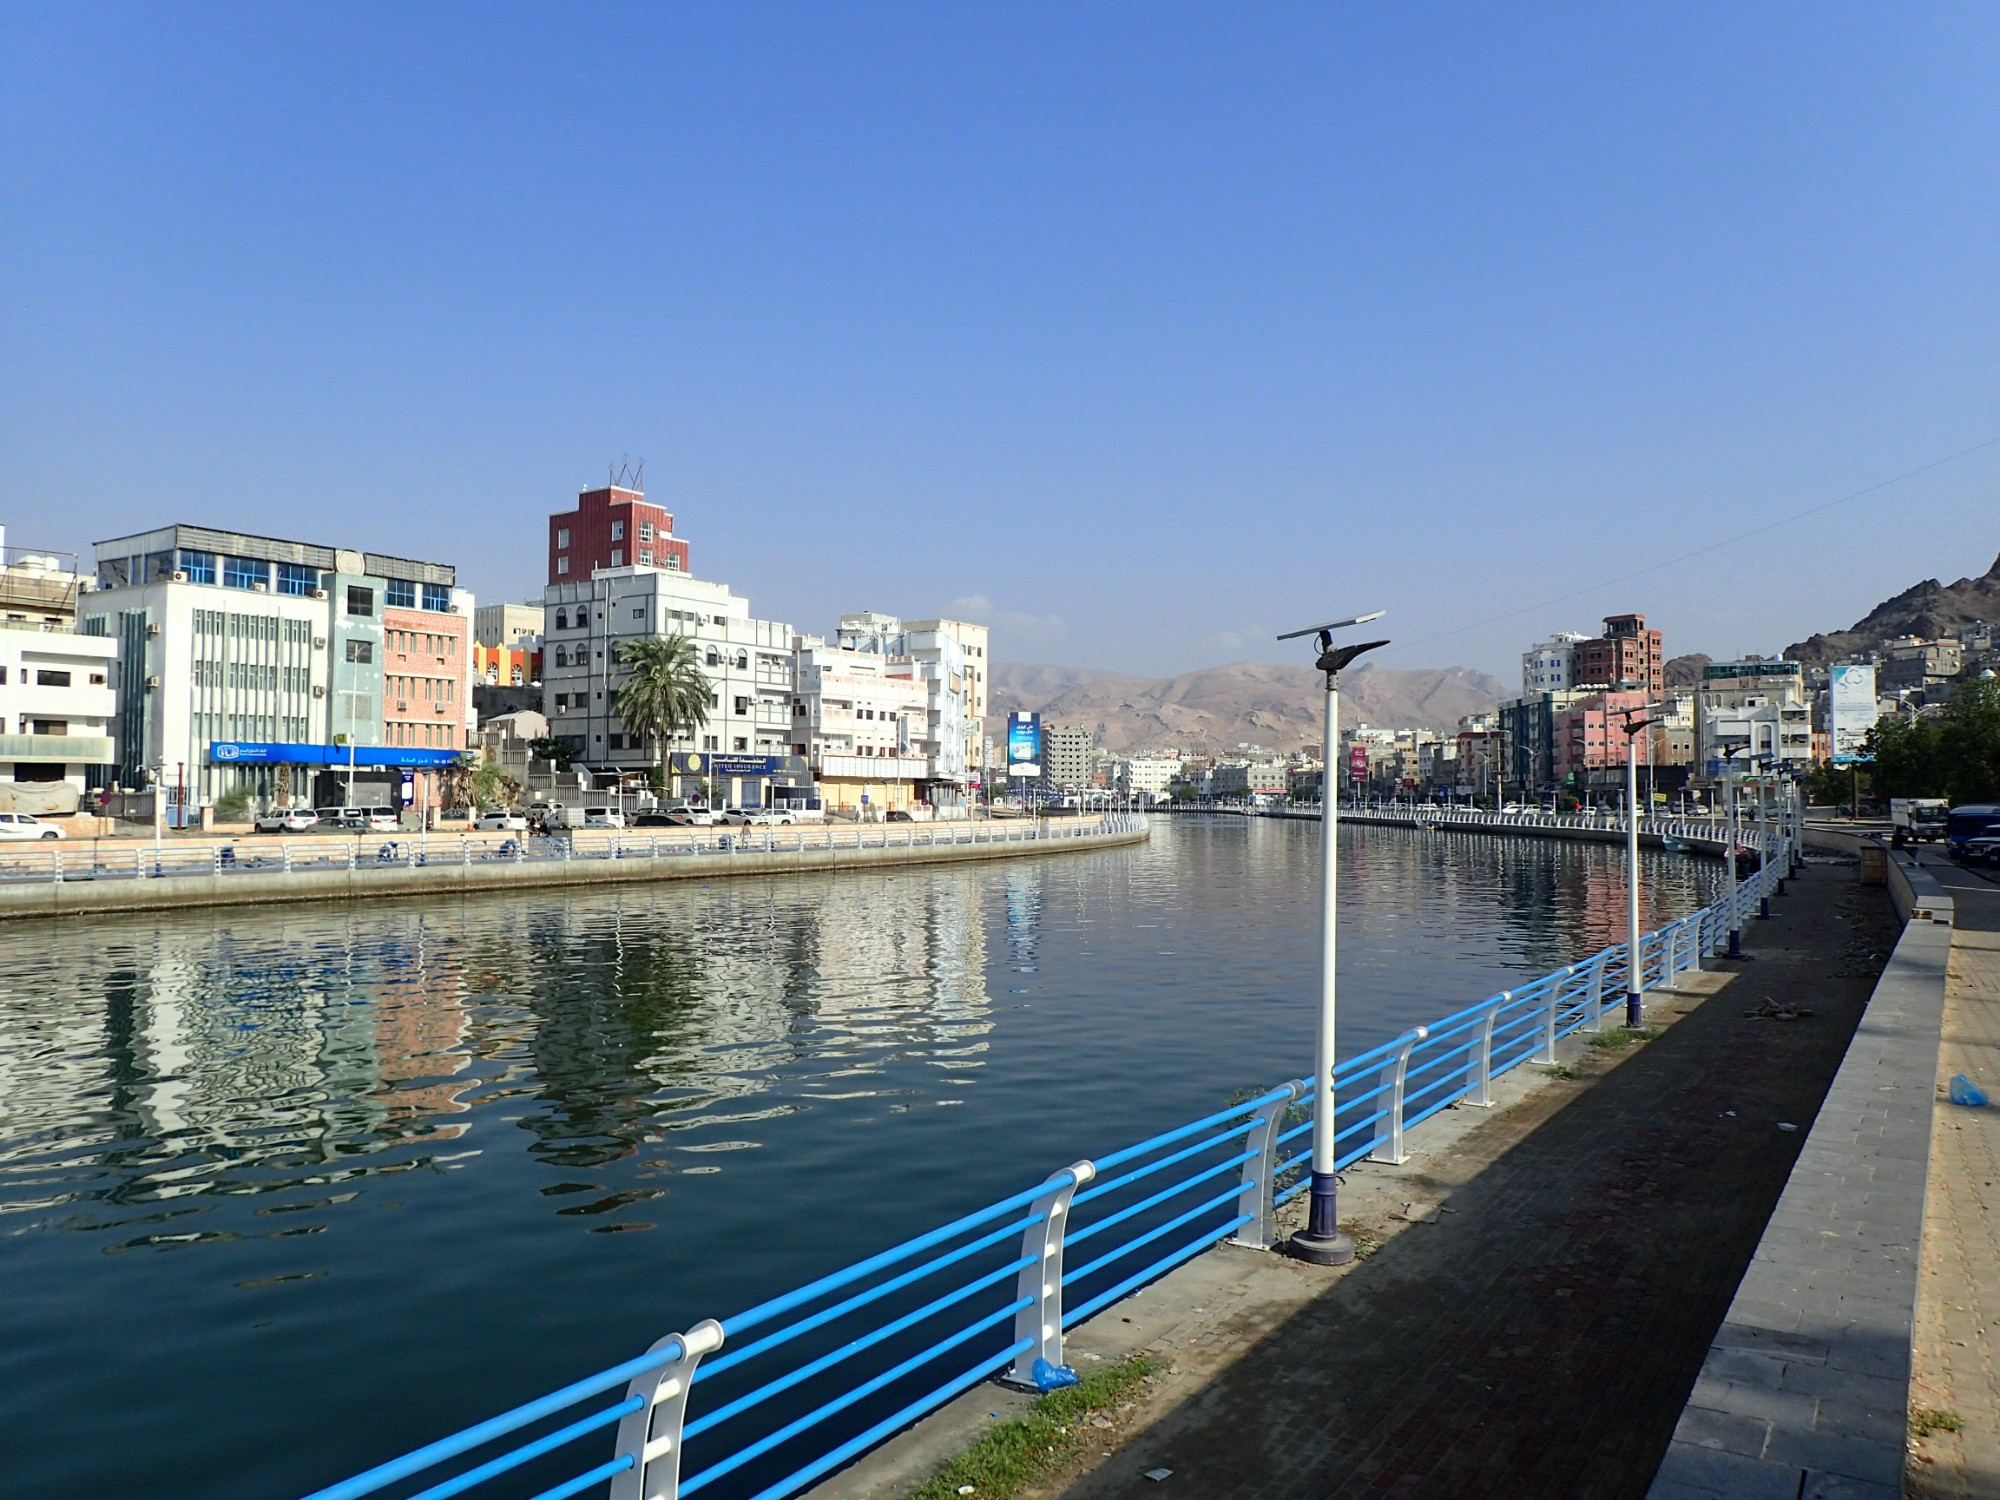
1537, 1333
1957, 1347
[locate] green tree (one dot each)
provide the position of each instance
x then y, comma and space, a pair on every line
1834, 786
1954, 755
553, 748
665, 694
491, 785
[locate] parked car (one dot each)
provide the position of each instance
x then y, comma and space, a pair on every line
656, 819
898, 815
603, 817
1984, 850
27, 826
767, 816
500, 820
287, 820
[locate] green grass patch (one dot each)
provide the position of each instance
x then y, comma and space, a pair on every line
1566, 1074
1925, 1420
1619, 1038
1024, 1448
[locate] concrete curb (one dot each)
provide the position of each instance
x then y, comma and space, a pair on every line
1805, 1390
367, 881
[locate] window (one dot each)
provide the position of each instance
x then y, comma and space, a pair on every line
562, 565
199, 566
297, 578
159, 567
638, 611
646, 556
562, 540
710, 742
437, 597
582, 617
617, 531
360, 601
617, 557
714, 657
400, 594
562, 619
48, 678
244, 573
361, 651
741, 743
562, 702
743, 705
114, 573
645, 531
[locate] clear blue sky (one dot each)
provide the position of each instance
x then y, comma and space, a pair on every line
1146, 330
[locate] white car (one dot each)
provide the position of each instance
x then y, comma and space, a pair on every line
287, 820
603, 817
502, 821
26, 826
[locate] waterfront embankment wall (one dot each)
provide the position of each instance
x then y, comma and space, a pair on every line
1694, 835
467, 869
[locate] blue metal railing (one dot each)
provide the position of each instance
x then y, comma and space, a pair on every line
840, 1364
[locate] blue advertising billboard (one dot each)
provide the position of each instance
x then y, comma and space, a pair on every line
1024, 744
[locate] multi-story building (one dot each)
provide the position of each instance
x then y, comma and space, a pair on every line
504, 625
287, 671
748, 663
1911, 665
1545, 667
937, 653
613, 528
1627, 655
972, 644
857, 717
56, 699
1143, 777
1066, 757
1590, 743
1753, 711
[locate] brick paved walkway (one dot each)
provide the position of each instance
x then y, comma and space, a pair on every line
1541, 1339
1957, 1347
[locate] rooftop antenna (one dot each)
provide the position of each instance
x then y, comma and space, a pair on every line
627, 475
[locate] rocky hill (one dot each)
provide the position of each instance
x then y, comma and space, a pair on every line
1930, 609
1278, 707
1685, 671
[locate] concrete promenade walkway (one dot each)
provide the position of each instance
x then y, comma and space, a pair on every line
1532, 1325
1957, 1346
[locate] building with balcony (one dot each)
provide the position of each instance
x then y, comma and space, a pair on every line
612, 527
1627, 655
56, 697
748, 663
857, 718
257, 665
1545, 667
948, 656
1754, 712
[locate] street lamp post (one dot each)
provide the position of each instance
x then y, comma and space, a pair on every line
1634, 975
1729, 855
1321, 1243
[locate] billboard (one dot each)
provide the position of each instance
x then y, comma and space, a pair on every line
1357, 763
1850, 710
1024, 744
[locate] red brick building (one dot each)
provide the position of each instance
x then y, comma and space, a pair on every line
612, 528
1627, 654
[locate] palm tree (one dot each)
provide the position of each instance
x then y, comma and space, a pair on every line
665, 694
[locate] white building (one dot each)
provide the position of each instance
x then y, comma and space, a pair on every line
1545, 668
860, 716
256, 665
748, 663
1754, 711
940, 653
56, 698
1144, 777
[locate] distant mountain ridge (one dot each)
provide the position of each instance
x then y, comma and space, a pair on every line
1929, 609
1217, 708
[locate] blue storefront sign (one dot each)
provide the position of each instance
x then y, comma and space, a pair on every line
700, 763
269, 753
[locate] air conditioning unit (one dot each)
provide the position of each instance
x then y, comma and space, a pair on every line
444, 708
319, 643
402, 708
319, 593
152, 682
179, 577
260, 588
152, 629
318, 691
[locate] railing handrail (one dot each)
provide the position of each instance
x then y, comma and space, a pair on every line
1536, 1013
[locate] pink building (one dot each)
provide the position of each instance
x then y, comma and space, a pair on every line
1590, 737
426, 685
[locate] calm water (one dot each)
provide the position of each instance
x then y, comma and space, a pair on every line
283, 1193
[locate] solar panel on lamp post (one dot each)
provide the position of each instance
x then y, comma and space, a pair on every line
1321, 1242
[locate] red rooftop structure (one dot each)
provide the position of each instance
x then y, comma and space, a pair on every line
612, 528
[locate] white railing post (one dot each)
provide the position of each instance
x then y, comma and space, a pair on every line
1040, 1322
1393, 1075
651, 1436
1479, 1064
1259, 1178
1550, 1003
1597, 967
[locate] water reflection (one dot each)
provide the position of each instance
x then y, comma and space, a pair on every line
394, 1134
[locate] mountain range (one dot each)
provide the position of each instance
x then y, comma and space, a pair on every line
1929, 609
1246, 702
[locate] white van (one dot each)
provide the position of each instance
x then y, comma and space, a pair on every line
359, 819
588, 817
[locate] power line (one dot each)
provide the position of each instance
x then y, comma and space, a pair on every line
1730, 541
